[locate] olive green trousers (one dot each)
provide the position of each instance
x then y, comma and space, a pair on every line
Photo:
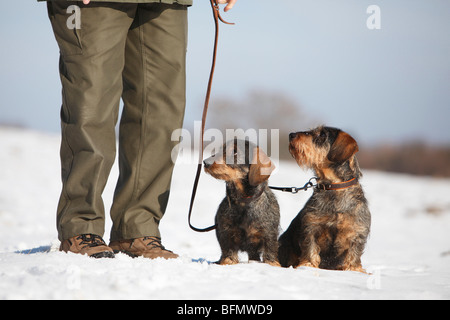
109, 51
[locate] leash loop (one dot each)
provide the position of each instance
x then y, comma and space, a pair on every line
215, 6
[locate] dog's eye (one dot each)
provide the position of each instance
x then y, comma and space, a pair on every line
320, 137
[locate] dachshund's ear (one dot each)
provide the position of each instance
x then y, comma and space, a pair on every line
261, 167
343, 148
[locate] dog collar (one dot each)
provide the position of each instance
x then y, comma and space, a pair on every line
251, 198
337, 186
245, 198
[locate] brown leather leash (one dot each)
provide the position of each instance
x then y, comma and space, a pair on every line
217, 17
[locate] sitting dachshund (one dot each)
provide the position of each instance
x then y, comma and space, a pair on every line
249, 216
331, 231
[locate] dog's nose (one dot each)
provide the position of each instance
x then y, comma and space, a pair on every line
292, 135
208, 162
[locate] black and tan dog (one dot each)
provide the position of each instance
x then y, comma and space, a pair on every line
330, 232
248, 217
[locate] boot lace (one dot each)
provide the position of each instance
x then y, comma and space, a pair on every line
155, 243
91, 240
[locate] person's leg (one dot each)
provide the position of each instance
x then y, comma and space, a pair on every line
154, 103
91, 65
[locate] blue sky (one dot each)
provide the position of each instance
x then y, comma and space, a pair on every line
391, 84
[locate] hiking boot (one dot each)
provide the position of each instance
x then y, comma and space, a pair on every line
89, 244
147, 247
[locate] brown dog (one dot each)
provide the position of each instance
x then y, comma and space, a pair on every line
248, 218
330, 232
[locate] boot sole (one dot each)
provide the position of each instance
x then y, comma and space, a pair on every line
132, 255
105, 254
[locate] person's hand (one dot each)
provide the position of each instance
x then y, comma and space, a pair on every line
86, 1
230, 4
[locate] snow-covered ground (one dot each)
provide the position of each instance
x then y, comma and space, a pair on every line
408, 252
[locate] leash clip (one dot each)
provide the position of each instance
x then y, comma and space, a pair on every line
294, 190
310, 184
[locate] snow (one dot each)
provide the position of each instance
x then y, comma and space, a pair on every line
408, 252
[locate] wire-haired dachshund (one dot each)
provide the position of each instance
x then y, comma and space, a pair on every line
330, 232
248, 218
